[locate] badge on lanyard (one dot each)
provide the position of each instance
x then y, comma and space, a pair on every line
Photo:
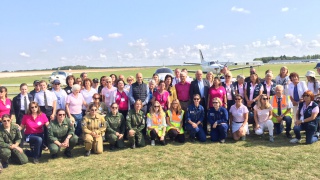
8, 106
123, 100
39, 123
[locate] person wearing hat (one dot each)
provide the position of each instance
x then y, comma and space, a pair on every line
318, 68
60, 93
36, 85
312, 83
95, 84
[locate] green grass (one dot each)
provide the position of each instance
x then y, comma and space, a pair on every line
256, 158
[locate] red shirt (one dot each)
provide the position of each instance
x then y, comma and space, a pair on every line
34, 126
183, 91
219, 93
122, 100
5, 108
162, 98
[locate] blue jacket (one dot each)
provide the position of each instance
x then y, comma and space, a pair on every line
195, 114
219, 116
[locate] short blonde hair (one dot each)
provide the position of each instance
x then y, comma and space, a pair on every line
219, 101
259, 104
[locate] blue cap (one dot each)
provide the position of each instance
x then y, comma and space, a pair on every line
56, 81
318, 66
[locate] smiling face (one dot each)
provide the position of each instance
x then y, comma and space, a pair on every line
24, 90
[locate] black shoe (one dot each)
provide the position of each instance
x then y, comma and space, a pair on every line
68, 153
289, 135
35, 160
112, 147
87, 153
133, 146
5, 164
53, 156
192, 139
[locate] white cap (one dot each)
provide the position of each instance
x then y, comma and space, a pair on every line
311, 73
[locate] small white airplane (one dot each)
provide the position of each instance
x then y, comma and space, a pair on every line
214, 66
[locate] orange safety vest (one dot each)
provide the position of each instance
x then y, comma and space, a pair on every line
283, 104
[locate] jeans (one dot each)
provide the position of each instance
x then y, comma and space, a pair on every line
35, 141
78, 120
310, 128
219, 133
278, 127
201, 136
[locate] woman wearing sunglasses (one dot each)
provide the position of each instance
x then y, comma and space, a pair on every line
108, 93
61, 135
10, 138
102, 108
218, 119
162, 96
263, 116
116, 124
306, 119
175, 122
93, 127
33, 123
156, 123
239, 119
195, 115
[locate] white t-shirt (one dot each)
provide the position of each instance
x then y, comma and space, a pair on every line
87, 95
310, 86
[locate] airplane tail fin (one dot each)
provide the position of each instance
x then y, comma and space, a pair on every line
201, 57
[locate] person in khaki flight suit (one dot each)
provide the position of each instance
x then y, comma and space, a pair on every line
10, 138
93, 126
135, 125
115, 123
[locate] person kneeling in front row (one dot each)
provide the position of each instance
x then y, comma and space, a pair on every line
10, 137
115, 127
195, 115
156, 123
61, 134
306, 119
93, 126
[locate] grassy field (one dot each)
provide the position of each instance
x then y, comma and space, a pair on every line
255, 158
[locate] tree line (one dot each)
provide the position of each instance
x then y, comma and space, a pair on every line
284, 57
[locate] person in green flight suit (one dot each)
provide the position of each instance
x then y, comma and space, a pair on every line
135, 125
61, 135
115, 127
10, 137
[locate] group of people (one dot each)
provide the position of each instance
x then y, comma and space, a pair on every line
113, 108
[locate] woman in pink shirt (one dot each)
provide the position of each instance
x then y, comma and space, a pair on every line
162, 96
74, 104
217, 90
262, 116
5, 103
108, 93
122, 99
33, 123
239, 119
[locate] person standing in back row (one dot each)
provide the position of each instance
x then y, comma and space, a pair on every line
139, 90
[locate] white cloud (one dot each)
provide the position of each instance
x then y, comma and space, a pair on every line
94, 38
103, 56
313, 44
273, 42
285, 9
199, 27
114, 35
296, 42
23, 54
240, 10
289, 36
201, 46
257, 44
63, 58
138, 43
58, 39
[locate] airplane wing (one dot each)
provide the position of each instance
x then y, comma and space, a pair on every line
192, 63
244, 67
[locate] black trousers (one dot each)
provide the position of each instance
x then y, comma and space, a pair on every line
173, 134
48, 113
154, 136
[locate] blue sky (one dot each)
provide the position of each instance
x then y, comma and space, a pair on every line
43, 34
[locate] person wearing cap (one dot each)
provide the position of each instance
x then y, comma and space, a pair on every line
312, 83
61, 94
318, 68
36, 85
95, 84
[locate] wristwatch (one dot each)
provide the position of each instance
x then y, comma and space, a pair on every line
302, 121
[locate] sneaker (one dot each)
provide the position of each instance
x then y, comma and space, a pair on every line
35, 160
243, 138
111, 147
222, 141
153, 143
289, 135
53, 156
271, 139
294, 140
317, 134
87, 153
68, 153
